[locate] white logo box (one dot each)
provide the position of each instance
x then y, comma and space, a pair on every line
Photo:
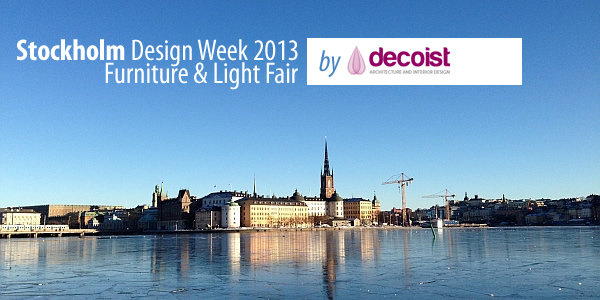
472, 61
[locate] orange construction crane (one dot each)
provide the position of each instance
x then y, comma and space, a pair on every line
402, 183
446, 196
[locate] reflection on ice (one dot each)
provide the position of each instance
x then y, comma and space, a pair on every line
372, 263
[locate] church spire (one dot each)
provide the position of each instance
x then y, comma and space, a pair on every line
254, 191
327, 188
326, 163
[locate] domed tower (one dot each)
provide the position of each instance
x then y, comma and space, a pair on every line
297, 196
157, 196
327, 188
335, 206
376, 209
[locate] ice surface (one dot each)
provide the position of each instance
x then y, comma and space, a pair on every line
524, 263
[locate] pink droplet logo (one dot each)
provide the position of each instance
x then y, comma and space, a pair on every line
356, 65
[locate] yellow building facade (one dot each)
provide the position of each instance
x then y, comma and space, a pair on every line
274, 213
359, 209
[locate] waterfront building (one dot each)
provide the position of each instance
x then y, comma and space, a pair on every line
225, 216
376, 208
273, 212
176, 213
317, 207
19, 216
230, 215
208, 217
220, 209
335, 206
108, 222
358, 208
148, 220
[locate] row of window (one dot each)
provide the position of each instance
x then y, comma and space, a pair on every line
279, 214
278, 203
34, 227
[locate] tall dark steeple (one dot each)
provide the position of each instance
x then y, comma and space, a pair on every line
327, 188
326, 163
254, 194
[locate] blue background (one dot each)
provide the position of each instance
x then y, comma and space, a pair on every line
67, 137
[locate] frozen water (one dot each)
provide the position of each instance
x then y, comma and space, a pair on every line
524, 263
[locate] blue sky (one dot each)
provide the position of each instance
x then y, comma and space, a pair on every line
67, 137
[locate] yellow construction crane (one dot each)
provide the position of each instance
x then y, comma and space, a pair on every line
402, 183
446, 196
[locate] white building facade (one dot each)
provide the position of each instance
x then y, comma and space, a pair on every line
222, 198
335, 206
220, 209
316, 207
14, 216
230, 215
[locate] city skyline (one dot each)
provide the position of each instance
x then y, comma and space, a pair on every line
67, 137
327, 189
